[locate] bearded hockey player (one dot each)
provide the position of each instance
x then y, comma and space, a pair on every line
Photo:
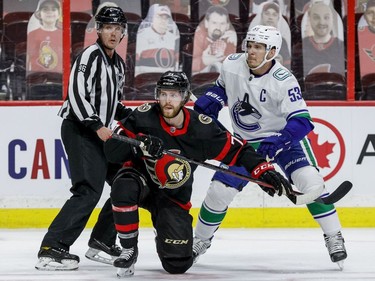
162, 184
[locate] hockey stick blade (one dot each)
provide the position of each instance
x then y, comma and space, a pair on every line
336, 195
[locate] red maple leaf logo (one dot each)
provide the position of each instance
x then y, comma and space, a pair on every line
321, 150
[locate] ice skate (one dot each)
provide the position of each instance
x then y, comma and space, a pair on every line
336, 248
56, 259
200, 247
100, 252
125, 263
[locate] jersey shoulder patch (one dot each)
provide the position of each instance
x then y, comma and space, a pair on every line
144, 107
234, 56
281, 74
204, 119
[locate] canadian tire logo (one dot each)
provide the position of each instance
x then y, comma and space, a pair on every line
328, 146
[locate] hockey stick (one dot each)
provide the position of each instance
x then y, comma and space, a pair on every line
223, 169
297, 197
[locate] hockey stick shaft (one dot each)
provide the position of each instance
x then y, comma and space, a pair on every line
192, 161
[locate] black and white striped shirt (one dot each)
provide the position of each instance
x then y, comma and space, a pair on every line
94, 91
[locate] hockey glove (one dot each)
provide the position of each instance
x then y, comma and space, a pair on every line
274, 144
152, 146
211, 102
266, 172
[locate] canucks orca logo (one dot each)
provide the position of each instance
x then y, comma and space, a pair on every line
169, 172
244, 109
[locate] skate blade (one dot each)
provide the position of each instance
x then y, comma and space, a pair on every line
125, 272
49, 264
99, 256
340, 265
196, 258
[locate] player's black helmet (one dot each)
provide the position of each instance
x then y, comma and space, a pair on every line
174, 80
111, 15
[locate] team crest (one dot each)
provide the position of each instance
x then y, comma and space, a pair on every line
244, 115
281, 74
169, 172
144, 107
48, 57
204, 119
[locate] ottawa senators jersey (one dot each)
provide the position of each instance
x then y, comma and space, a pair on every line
200, 139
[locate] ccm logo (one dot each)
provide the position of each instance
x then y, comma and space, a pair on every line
261, 168
176, 242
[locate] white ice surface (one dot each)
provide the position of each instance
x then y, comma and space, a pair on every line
236, 254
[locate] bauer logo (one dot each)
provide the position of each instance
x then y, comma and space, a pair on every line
328, 146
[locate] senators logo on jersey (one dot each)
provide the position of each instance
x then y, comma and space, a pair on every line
169, 172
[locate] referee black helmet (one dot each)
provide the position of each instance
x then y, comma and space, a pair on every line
111, 15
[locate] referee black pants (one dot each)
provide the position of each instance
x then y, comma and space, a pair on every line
89, 170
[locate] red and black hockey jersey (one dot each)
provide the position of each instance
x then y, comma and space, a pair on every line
200, 139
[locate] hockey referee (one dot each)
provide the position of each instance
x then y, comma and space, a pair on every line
93, 102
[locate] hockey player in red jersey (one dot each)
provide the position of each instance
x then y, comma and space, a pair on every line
163, 184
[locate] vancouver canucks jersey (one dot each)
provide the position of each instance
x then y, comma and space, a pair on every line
260, 106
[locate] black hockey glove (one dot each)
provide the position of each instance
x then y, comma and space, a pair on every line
266, 172
152, 146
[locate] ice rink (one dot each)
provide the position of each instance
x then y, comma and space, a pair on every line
236, 254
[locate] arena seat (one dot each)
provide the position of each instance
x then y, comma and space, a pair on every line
44, 86
325, 86
144, 84
201, 81
368, 86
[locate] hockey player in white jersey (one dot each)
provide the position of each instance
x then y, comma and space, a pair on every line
267, 109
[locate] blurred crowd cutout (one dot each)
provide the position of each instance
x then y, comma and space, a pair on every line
158, 42
190, 35
214, 39
322, 39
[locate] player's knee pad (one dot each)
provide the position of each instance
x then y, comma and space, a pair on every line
125, 190
219, 196
307, 179
177, 265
